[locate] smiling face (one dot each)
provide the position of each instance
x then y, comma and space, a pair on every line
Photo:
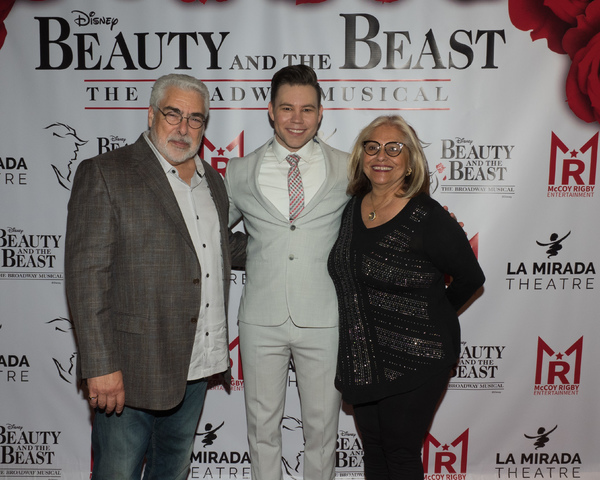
383, 171
296, 115
177, 143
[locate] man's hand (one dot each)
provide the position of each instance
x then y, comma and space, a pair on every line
107, 392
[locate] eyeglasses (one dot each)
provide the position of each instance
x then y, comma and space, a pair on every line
175, 118
393, 149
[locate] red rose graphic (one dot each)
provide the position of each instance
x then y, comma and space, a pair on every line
5, 8
203, 2
588, 25
548, 19
583, 82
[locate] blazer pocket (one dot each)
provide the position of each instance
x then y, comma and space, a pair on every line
131, 323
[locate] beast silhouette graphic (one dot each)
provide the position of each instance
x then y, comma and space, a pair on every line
62, 167
64, 366
292, 427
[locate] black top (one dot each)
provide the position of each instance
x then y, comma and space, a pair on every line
398, 321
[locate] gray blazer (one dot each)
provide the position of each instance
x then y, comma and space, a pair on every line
132, 276
286, 265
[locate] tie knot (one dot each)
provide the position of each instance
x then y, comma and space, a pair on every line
293, 159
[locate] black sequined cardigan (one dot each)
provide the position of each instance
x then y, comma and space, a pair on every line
398, 321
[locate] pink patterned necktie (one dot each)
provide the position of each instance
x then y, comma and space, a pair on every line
295, 188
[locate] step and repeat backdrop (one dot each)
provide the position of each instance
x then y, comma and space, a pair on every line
506, 97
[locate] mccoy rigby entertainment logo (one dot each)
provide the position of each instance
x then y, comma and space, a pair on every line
96, 41
21, 450
478, 368
538, 459
13, 171
211, 462
550, 273
558, 372
447, 461
467, 167
572, 169
32, 255
218, 160
237, 374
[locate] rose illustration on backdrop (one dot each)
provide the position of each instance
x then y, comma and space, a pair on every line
583, 82
570, 27
582, 43
588, 25
5, 8
546, 19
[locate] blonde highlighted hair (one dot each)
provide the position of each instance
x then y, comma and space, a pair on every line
415, 183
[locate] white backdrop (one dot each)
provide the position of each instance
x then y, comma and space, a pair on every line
512, 140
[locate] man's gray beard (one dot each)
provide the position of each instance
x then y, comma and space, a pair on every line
162, 148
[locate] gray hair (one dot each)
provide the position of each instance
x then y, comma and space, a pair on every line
181, 81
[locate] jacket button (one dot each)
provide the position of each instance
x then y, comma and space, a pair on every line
291, 257
196, 281
194, 320
293, 227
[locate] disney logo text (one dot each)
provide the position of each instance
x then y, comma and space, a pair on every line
85, 19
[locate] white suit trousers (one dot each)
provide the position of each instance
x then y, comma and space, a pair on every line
266, 352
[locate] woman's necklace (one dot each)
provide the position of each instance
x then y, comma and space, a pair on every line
373, 213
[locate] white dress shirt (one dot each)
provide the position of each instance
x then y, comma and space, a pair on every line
210, 352
272, 177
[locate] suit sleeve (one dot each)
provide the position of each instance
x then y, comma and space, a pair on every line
235, 215
91, 242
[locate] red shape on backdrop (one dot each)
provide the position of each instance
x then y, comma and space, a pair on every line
203, 2
582, 43
5, 8
571, 27
588, 25
534, 15
583, 82
298, 2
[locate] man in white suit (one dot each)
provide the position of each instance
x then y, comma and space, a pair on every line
288, 306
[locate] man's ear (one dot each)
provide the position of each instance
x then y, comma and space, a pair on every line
150, 116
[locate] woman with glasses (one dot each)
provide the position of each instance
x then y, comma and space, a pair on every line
399, 330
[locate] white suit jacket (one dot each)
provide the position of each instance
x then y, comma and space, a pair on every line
286, 264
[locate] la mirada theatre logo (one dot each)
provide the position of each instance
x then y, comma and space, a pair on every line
542, 456
558, 271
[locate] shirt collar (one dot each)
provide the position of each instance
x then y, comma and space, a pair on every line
305, 153
166, 165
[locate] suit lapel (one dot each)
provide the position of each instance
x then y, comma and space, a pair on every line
253, 172
151, 172
328, 182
